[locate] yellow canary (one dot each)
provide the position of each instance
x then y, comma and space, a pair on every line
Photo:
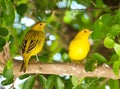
80, 45
33, 43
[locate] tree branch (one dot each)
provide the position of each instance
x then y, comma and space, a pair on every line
62, 69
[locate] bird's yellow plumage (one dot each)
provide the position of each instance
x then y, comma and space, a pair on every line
33, 43
79, 46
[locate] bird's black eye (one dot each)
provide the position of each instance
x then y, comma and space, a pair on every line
40, 24
85, 31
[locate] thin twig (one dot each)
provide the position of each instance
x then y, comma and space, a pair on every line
89, 8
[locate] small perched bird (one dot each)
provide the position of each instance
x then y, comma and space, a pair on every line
80, 45
33, 43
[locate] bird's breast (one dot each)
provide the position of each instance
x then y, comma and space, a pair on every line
79, 49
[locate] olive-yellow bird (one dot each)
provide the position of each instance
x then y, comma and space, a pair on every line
80, 45
33, 43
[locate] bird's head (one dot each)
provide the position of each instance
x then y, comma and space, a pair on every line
84, 33
39, 26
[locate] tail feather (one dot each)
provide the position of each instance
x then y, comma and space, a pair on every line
24, 64
23, 68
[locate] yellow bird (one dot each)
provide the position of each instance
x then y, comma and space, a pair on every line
33, 43
80, 45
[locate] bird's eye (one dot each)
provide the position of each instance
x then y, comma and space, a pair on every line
85, 31
40, 24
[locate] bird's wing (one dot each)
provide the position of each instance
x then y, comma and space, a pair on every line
32, 39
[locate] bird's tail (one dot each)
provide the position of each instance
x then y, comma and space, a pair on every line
24, 63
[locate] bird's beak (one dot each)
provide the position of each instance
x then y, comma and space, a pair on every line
44, 24
91, 32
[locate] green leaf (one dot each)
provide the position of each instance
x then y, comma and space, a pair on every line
2, 43
65, 57
7, 81
109, 43
1, 21
24, 76
89, 83
43, 80
68, 84
90, 65
21, 9
114, 31
69, 16
99, 57
99, 3
12, 45
59, 83
101, 26
113, 58
54, 45
117, 17
3, 31
29, 83
113, 84
75, 80
8, 70
43, 58
21, 2
50, 82
116, 65
84, 2
117, 49
8, 73
8, 12
95, 58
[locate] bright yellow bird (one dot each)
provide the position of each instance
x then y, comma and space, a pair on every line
33, 43
80, 45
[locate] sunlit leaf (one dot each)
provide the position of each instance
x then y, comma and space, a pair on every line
59, 84
109, 43
75, 80
116, 66
117, 17
101, 27
117, 48
114, 31
42, 80
99, 57
8, 12
8, 73
65, 57
100, 3
21, 2
50, 82
85, 18
113, 84
29, 83
8, 70
113, 58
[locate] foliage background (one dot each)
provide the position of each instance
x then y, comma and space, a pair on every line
65, 18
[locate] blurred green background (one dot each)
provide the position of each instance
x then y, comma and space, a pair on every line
64, 19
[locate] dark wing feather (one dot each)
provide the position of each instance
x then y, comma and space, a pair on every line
32, 45
24, 46
31, 38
